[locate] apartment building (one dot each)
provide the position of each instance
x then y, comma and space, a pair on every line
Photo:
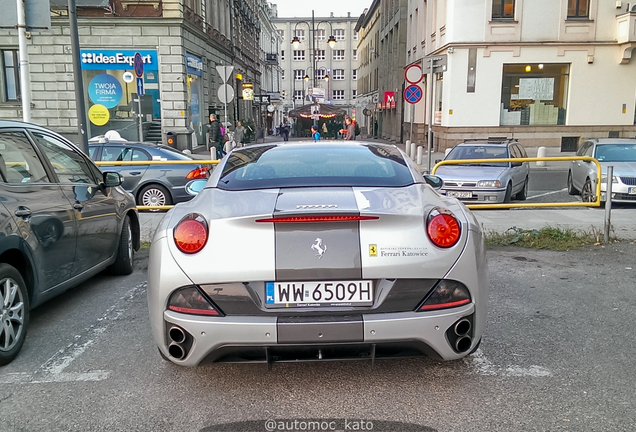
313, 68
548, 72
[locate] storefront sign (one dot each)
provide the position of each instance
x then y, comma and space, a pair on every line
248, 91
194, 65
106, 90
389, 99
98, 115
97, 59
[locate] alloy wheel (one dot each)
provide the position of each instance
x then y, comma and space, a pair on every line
11, 315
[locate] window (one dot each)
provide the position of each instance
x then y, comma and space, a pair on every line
338, 74
298, 95
299, 74
321, 73
320, 55
69, 165
122, 154
320, 34
299, 55
339, 34
282, 74
503, 9
355, 54
18, 162
354, 74
338, 54
282, 54
337, 94
355, 35
354, 93
11, 73
300, 34
578, 8
534, 94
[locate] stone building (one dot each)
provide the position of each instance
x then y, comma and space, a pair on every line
330, 74
182, 42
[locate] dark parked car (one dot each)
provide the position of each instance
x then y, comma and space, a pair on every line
151, 185
62, 220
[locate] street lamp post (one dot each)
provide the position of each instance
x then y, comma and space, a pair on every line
312, 30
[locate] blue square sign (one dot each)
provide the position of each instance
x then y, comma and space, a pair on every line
140, 86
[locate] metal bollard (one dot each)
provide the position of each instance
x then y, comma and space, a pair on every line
541, 152
608, 204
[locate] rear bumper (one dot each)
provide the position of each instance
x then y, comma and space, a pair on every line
261, 339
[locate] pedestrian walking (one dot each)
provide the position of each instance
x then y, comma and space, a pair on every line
239, 134
315, 134
216, 137
285, 132
350, 130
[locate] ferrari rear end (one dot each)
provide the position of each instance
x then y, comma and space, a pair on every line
333, 263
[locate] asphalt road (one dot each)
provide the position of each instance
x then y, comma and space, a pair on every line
557, 356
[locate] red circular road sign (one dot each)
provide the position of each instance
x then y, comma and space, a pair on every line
413, 74
139, 65
413, 94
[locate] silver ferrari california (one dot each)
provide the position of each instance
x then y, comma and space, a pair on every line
317, 251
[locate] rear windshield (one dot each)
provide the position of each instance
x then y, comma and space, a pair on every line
302, 165
616, 153
480, 152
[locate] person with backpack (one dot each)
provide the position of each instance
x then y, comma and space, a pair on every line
315, 134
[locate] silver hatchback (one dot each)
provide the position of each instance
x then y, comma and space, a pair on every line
486, 182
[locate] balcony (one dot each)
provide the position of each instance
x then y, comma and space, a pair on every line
626, 28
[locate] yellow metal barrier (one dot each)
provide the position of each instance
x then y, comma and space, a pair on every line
596, 203
157, 162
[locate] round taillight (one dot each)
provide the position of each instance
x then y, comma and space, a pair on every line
444, 230
191, 234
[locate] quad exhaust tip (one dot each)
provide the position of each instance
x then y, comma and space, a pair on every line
176, 351
176, 348
177, 334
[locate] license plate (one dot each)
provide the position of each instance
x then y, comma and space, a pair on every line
319, 293
459, 194
631, 190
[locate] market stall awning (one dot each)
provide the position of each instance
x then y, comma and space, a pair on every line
325, 111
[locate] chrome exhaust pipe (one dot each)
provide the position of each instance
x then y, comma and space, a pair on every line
463, 344
176, 351
462, 327
177, 334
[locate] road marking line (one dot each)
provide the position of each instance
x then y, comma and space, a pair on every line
547, 193
52, 370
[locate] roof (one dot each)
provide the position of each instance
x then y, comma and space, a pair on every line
326, 111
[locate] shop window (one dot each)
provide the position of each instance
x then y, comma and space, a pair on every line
10, 76
578, 8
534, 94
503, 9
